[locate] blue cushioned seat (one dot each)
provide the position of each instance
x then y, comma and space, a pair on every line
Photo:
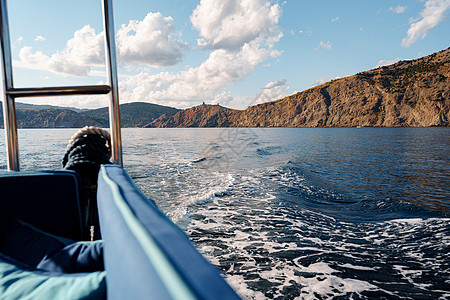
18, 281
50, 200
46, 263
38, 249
146, 255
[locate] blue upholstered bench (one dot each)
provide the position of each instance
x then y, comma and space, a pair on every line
49, 200
41, 222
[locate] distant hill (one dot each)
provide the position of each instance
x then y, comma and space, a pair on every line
27, 106
409, 93
53, 118
135, 114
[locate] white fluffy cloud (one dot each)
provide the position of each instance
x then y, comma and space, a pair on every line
39, 38
386, 62
430, 17
233, 23
399, 9
335, 19
239, 35
224, 98
84, 51
324, 45
319, 81
153, 41
201, 83
272, 91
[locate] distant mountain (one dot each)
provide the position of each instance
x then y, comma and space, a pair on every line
27, 106
135, 114
53, 118
409, 93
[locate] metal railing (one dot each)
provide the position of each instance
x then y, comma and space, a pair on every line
9, 93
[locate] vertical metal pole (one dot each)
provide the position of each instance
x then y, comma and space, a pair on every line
111, 66
9, 110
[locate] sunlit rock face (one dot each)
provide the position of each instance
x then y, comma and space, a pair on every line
412, 93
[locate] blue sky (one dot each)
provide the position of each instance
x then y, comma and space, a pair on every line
236, 52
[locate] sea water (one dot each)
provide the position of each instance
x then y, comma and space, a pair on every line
296, 213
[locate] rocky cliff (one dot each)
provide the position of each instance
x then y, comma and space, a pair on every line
198, 116
409, 93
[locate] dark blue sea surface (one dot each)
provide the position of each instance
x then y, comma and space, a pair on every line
297, 213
